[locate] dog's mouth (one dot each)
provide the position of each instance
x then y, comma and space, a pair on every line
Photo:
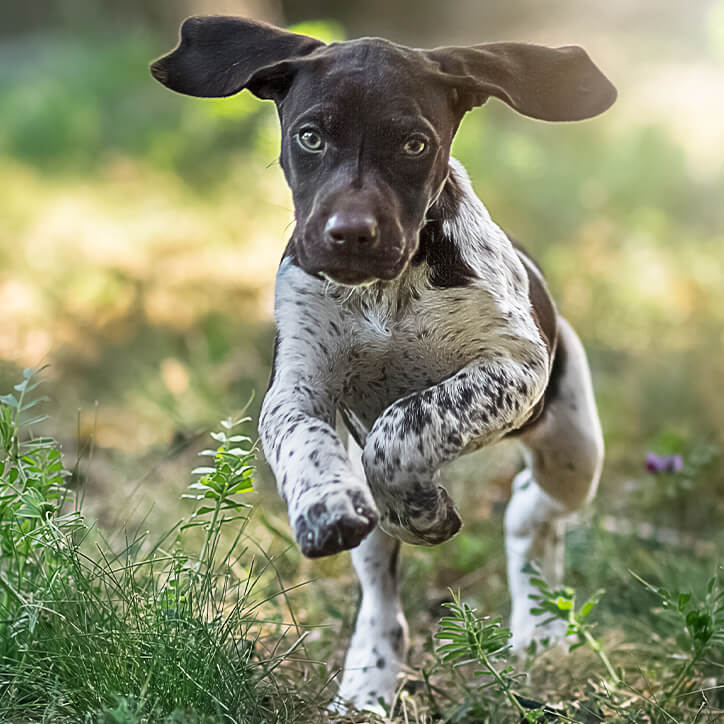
348, 278
353, 270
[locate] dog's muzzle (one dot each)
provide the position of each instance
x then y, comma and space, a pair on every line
352, 248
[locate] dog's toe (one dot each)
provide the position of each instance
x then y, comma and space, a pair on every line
327, 528
332, 536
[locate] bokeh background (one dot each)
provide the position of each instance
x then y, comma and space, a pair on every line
140, 233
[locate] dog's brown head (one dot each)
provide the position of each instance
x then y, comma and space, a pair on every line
367, 124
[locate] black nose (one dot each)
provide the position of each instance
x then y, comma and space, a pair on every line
354, 231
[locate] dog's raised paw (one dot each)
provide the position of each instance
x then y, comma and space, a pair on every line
424, 517
335, 521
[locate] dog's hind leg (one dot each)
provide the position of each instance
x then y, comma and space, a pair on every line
379, 643
565, 454
533, 535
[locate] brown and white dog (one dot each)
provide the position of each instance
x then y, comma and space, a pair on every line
402, 307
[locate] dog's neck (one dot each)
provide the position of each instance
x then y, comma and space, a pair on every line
442, 237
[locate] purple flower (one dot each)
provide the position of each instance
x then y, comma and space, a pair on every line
663, 463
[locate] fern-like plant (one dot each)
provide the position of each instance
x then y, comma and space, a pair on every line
469, 638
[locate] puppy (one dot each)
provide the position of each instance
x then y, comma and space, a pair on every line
402, 307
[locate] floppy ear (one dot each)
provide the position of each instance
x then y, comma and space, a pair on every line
551, 84
219, 56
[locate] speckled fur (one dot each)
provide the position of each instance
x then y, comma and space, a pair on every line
429, 372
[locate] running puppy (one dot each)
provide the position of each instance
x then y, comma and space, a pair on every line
402, 306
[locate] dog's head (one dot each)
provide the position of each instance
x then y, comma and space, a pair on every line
367, 124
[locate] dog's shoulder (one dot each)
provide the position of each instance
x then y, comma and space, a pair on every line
541, 300
545, 315
464, 247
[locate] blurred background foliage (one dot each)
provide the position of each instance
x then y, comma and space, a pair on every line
140, 232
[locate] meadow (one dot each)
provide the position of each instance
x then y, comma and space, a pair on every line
139, 239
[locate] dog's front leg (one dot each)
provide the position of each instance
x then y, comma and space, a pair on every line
330, 505
417, 434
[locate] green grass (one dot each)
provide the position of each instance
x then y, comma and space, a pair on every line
196, 624
159, 629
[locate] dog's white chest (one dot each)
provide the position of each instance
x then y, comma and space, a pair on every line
392, 356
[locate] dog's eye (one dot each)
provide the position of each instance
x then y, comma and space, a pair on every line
310, 140
415, 146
